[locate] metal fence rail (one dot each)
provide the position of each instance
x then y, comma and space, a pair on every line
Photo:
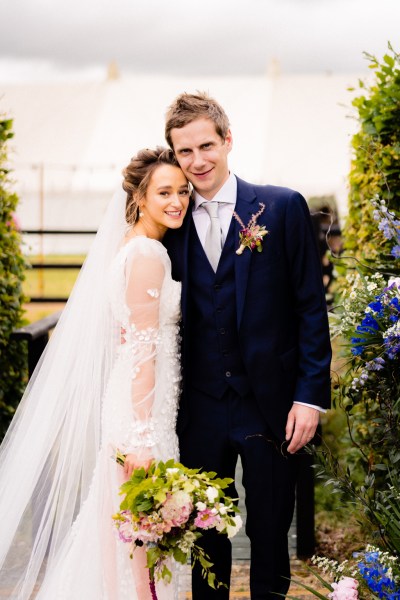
37, 336
51, 266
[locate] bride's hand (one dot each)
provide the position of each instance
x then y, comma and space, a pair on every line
142, 458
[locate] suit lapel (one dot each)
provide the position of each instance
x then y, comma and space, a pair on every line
188, 223
245, 207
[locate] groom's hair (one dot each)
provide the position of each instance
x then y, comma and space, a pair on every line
190, 107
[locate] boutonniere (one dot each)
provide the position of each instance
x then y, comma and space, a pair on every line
251, 235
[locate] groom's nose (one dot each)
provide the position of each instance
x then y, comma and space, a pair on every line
198, 160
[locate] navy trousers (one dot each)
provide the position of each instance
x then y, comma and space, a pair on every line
218, 431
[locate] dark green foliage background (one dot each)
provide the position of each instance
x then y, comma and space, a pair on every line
12, 265
363, 462
375, 168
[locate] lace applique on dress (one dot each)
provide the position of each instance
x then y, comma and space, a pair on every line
124, 425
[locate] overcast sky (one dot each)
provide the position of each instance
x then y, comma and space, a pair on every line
45, 38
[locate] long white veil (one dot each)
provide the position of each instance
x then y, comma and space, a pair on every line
49, 452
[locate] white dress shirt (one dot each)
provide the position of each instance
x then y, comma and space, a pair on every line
226, 198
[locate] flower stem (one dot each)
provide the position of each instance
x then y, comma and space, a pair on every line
152, 585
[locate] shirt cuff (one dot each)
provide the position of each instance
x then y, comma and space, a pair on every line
323, 410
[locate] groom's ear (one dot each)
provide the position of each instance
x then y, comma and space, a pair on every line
229, 140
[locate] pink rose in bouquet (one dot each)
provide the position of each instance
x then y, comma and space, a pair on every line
176, 509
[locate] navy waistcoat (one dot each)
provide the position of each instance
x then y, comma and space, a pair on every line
213, 343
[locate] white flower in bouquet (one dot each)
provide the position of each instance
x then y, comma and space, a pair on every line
232, 530
212, 493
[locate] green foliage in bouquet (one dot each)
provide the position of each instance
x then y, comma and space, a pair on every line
166, 509
12, 266
375, 168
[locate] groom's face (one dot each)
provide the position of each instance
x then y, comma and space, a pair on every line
202, 155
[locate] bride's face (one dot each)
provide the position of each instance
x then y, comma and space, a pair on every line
167, 198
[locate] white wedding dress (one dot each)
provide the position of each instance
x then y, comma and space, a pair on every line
138, 412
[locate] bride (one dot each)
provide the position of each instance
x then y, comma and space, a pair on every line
108, 381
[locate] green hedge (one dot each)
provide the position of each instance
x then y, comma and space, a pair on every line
375, 168
12, 265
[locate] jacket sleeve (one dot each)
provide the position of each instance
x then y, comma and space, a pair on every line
313, 380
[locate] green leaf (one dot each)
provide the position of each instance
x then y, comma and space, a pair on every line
211, 579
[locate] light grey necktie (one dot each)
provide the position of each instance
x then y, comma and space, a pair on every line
213, 242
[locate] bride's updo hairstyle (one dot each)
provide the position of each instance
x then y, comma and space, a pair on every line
137, 177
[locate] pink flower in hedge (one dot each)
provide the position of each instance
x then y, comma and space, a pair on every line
206, 519
345, 589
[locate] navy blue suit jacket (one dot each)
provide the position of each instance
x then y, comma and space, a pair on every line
281, 310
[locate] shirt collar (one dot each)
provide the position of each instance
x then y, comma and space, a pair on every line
226, 194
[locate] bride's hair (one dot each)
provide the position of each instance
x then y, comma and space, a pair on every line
137, 177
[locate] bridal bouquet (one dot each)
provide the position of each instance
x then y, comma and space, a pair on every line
166, 508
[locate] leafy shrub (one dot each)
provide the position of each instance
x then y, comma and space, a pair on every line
12, 265
375, 168
366, 470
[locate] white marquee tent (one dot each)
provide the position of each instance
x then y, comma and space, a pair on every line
72, 139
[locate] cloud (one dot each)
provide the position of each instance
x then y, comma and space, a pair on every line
212, 37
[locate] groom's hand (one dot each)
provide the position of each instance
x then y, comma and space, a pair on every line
301, 426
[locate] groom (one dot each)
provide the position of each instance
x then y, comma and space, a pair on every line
256, 351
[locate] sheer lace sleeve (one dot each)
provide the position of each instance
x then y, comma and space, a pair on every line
144, 275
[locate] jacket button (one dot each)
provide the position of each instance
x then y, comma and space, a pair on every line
228, 374
217, 287
222, 331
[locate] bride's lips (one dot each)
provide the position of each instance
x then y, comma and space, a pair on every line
174, 214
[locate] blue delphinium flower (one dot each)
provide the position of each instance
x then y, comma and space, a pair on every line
395, 251
376, 576
387, 223
376, 364
377, 306
391, 340
359, 349
368, 324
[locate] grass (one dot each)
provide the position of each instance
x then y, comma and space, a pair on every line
50, 283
